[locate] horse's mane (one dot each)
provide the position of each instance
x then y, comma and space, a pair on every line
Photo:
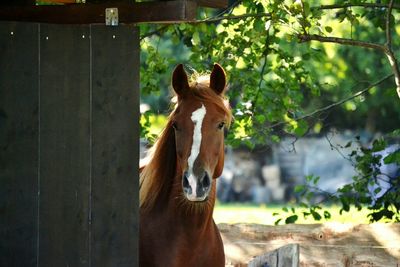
160, 169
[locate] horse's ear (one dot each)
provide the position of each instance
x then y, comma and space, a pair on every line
218, 79
180, 81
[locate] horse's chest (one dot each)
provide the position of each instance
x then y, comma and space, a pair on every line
175, 246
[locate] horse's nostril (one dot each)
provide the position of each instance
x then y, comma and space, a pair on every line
206, 182
185, 183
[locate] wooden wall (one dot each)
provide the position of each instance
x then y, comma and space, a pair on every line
69, 134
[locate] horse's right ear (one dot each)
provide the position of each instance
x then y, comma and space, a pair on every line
180, 81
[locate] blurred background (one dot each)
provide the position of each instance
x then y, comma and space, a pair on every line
316, 111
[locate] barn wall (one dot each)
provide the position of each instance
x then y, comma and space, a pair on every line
18, 144
69, 136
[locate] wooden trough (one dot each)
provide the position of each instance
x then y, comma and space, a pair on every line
322, 245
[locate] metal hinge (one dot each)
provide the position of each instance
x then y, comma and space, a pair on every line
112, 16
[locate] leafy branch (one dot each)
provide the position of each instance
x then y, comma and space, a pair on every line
364, 5
386, 48
335, 104
344, 41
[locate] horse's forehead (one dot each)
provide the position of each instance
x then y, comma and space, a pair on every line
188, 107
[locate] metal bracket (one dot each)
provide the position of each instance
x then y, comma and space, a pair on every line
112, 16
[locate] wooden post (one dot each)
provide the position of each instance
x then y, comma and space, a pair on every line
287, 256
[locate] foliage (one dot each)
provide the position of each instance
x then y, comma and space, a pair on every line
264, 214
372, 188
295, 68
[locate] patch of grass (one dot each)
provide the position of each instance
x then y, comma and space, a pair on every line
247, 213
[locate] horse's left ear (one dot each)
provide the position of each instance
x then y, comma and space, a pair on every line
218, 79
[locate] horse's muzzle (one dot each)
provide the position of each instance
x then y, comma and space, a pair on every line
194, 188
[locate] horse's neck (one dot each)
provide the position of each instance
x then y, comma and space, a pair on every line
172, 209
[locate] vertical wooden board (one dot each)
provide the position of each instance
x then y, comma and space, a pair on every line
115, 64
18, 143
269, 259
289, 255
64, 145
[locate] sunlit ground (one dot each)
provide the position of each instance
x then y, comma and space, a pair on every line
246, 213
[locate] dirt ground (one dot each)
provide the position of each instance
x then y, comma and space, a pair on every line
321, 245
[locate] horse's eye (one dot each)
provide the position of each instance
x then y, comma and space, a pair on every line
221, 125
174, 126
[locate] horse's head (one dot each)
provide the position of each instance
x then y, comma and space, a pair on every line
199, 121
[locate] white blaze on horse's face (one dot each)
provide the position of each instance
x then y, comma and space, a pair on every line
196, 187
197, 119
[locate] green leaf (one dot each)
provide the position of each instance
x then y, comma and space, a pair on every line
395, 133
299, 188
348, 144
384, 213
306, 8
316, 179
260, 118
379, 145
196, 38
328, 29
259, 25
327, 214
275, 138
291, 219
303, 205
309, 178
306, 56
393, 158
301, 129
315, 215
345, 206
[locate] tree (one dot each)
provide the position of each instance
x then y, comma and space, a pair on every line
293, 66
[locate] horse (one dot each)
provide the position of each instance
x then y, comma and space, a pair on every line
178, 183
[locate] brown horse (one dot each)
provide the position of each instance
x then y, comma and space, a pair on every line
177, 185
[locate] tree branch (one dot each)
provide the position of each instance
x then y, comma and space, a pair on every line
333, 105
345, 41
158, 30
388, 28
365, 5
266, 52
232, 17
209, 20
380, 47
389, 52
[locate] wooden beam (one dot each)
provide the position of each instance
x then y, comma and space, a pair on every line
206, 3
18, 3
160, 12
213, 3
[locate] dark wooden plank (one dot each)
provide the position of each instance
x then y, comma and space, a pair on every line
160, 12
18, 143
213, 3
64, 145
18, 3
115, 57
